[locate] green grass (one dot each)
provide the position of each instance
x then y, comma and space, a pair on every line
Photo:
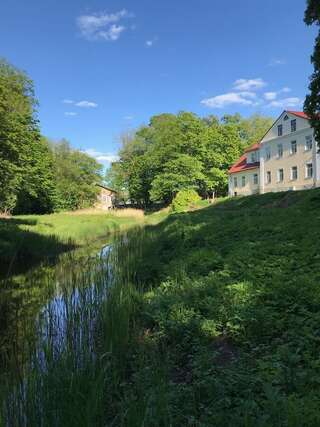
27, 240
212, 319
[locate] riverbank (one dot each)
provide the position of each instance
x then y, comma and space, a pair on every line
212, 319
29, 239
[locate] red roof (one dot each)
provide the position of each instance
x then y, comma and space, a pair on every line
242, 165
253, 147
300, 114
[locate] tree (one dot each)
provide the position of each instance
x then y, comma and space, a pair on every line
183, 151
37, 191
19, 133
76, 176
312, 101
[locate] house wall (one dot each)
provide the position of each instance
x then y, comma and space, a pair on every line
249, 188
288, 160
286, 125
105, 198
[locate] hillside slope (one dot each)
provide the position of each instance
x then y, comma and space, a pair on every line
231, 314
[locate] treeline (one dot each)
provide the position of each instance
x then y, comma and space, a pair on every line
36, 175
175, 152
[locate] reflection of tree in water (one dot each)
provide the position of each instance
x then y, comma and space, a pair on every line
35, 303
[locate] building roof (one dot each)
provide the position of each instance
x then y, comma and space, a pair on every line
242, 165
253, 147
106, 188
300, 114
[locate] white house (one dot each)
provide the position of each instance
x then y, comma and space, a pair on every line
285, 159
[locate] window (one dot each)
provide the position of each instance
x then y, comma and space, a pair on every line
286, 117
280, 129
308, 144
294, 173
268, 177
268, 153
293, 125
293, 148
280, 175
243, 181
235, 182
309, 170
255, 179
253, 157
280, 151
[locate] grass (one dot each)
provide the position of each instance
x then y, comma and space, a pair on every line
29, 239
211, 318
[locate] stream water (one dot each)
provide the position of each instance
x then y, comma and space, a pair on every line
49, 302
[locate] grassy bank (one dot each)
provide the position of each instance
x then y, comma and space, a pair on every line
212, 319
29, 239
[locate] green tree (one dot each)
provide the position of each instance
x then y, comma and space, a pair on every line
312, 101
76, 176
19, 134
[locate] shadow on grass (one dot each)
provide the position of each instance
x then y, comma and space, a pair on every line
22, 249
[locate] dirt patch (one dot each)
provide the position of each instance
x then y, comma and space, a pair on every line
224, 351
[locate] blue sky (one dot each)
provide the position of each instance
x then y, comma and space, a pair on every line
102, 67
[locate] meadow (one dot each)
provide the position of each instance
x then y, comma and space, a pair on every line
210, 318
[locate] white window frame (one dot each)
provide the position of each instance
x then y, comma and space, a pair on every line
235, 182
296, 147
280, 151
308, 140
307, 176
293, 124
268, 153
280, 130
268, 177
243, 181
282, 173
253, 156
296, 169
255, 179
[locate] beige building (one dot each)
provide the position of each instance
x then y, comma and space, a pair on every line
106, 197
285, 159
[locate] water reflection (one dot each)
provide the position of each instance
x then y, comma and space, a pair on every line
42, 307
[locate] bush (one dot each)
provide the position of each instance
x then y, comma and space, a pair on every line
184, 200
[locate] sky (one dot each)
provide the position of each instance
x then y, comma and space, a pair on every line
102, 67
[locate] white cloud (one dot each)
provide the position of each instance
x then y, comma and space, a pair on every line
70, 113
68, 101
225, 99
270, 96
151, 42
277, 61
286, 102
101, 156
129, 118
103, 26
249, 84
86, 104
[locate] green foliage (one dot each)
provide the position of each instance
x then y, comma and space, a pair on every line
76, 176
185, 200
179, 151
209, 323
312, 101
20, 147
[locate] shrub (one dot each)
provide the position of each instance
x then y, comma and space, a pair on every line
184, 200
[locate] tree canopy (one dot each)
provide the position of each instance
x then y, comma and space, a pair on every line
312, 102
37, 176
175, 152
